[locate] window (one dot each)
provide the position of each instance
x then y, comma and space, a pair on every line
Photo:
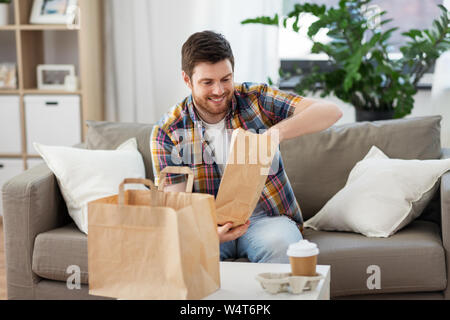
407, 14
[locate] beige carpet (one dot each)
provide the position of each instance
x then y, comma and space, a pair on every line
2, 264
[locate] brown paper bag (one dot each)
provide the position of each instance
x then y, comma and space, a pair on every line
245, 175
153, 244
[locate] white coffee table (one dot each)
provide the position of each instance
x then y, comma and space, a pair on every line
238, 282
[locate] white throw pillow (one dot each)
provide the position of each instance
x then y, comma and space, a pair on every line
380, 196
86, 175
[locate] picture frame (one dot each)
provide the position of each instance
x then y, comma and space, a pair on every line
8, 76
54, 12
53, 76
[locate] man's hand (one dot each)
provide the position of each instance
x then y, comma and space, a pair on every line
179, 187
227, 234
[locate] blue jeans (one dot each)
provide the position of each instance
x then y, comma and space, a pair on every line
266, 240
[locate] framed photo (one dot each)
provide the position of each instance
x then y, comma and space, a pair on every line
8, 78
53, 76
54, 12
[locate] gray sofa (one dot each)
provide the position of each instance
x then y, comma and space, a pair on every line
41, 241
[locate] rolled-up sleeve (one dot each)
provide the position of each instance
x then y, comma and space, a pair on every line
276, 104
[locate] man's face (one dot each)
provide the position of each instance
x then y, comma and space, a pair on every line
212, 88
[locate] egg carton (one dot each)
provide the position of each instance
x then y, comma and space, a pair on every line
286, 282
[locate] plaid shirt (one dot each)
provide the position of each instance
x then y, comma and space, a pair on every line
254, 106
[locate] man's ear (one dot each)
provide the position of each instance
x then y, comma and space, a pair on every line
186, 79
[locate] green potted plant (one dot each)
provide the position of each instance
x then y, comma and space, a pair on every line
4, 12
362, 73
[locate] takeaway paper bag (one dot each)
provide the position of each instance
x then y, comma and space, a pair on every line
245, 175
153, 244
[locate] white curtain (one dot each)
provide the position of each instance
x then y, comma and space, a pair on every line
143, 40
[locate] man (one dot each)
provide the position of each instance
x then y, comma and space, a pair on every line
218, 105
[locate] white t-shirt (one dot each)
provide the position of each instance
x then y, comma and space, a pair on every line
218, 139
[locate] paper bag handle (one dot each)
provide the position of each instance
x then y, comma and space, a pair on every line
147, 182
176, 170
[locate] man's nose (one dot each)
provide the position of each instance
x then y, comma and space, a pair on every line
218, 89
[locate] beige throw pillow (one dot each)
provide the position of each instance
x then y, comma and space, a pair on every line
381, 195
86, 175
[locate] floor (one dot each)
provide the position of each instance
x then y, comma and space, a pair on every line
2, 265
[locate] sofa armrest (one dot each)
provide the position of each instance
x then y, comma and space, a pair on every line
445, 216
32, 204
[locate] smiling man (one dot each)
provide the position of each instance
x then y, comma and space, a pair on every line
216, 106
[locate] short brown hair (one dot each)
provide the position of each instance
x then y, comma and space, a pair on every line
206, 46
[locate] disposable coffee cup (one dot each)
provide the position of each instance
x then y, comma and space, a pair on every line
303, 258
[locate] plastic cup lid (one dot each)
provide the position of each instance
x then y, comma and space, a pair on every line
303, 248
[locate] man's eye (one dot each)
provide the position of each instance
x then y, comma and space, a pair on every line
226, 80
207, 83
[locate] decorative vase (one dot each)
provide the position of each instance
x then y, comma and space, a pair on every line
371, 115
4, 14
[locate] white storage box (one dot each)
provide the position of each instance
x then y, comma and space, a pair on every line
52, 120
10, 137
9, 168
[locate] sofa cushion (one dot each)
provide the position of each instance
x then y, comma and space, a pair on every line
412, 260
318, 164
109, 135
56, 250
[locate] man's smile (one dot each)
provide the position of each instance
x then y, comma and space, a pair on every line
217, 100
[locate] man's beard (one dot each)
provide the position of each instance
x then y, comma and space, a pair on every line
211, 108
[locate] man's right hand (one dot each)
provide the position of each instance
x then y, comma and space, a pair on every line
226, 233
